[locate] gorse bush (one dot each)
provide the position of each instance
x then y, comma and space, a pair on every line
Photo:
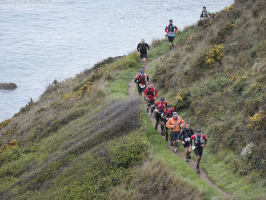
224, 74
183, 99
215, 55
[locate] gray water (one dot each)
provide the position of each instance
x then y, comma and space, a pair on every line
44, 40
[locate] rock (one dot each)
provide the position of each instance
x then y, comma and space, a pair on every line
8, 86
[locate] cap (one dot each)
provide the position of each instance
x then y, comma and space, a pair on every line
162, 98
198, 131
175, 114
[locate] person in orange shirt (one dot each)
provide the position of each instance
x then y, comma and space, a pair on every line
175, 124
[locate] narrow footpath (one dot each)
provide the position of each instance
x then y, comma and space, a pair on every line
133, 92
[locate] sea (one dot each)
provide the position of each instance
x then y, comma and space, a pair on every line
46, 40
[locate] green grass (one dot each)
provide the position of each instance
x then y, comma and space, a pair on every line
118, 88
161, 152
219, 169
162, 46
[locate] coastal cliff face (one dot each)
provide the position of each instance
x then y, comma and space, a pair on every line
8, 86
86, 138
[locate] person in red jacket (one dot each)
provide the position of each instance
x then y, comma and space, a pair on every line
141, 80
171, 30
167, 114
198, 142
150, 94
160, 106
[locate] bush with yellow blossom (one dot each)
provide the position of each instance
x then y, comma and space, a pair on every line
215, 55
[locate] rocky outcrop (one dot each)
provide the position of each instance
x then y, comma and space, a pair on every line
8, 86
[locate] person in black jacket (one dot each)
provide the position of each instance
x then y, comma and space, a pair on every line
185, 135
143, 49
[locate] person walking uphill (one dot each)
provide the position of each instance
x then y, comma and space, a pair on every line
150, 94
171, 30
141, 80
175, 124
200, 140
143, 49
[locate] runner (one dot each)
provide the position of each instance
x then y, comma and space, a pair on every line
186, 134
160, 106
167, 114
141, 80
199, 139
171, 30
143, 49
175, 124
150, 94
204, 14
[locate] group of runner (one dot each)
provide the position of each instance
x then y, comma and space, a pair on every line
180, 131
165, 114
170, 31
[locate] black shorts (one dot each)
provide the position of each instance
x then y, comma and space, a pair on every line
198, 151
143, 55
150, 102
158, 116
175, 136
186, 145
171, 38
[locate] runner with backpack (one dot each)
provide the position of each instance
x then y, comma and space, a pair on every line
171, 30
199, 141
204, 13
186, 135
167, 114
175, 124
141, 80
143, 49
150, 94
160, 106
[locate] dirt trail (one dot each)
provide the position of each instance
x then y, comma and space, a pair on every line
192, 163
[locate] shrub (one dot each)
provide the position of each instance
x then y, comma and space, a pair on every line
222, 33
183, 99
239, 85
215, 55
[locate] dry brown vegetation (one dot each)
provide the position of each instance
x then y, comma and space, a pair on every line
216, 76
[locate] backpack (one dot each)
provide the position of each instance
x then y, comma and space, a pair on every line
199, 141
142, 78
150, 92
204, 14
171, 28
143, 48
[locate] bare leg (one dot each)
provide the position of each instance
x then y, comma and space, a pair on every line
198, 163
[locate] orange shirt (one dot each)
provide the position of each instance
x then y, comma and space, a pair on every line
177, 124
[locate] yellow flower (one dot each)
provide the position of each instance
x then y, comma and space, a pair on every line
179, 97
257, 116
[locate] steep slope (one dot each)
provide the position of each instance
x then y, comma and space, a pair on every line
84, 138
87, 139
216, 79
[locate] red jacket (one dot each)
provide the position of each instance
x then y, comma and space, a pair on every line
169, 112
161, 106
142, 79
150, 93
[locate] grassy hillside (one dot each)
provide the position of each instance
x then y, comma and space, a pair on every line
83, 139
216, 80
87, 139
